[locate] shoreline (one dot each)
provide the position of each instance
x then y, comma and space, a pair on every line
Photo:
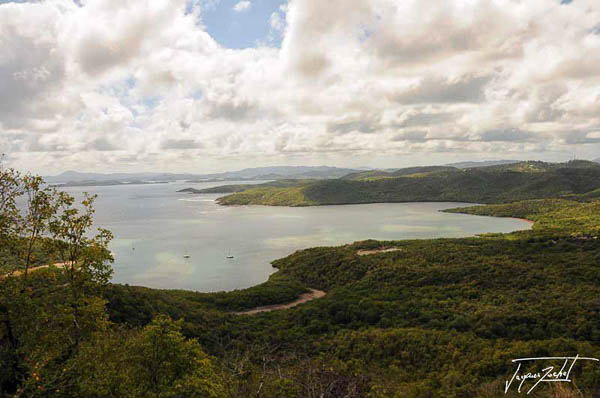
326, 204
524, 219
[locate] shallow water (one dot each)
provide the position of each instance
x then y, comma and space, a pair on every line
154, 227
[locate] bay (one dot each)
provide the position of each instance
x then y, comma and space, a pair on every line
155, 227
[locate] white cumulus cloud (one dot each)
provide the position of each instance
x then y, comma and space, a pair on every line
243, 5
132, 85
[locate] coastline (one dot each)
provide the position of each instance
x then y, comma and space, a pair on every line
531, 222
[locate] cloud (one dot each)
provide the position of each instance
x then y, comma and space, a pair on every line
414, 119
582, 137
362, 125
31, 67
242, 6
102, 144
444, 90
413, 135
119, 34
276, 22
181, 144
506, 135
133, 85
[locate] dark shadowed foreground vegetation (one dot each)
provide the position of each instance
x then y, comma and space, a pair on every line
434, 318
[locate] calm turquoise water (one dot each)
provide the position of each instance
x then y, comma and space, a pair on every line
154, 226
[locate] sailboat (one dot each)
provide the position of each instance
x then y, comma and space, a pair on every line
229, 255
186, 255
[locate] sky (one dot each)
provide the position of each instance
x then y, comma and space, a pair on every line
212, 85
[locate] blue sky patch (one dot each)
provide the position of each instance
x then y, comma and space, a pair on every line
247, 25
233, 25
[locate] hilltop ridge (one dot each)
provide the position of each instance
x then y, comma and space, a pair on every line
577, 179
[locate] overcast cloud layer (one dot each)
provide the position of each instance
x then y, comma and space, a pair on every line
118, 85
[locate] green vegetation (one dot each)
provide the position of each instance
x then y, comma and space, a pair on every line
156, 361
578, 180
55, 336
271, 196
435, 318
551, 216
137, 305
409, 171
441, 317
244, 187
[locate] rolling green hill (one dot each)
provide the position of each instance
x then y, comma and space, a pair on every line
270, 196
492, 184
244, 187
406, 172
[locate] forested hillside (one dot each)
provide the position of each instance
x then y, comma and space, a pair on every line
492, 184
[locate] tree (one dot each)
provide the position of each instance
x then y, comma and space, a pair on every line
45, 316
10, 190
85, 261
157, 361
166, 364
40, 207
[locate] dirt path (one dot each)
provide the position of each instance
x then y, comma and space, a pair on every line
375, 251
32, 269
313, 294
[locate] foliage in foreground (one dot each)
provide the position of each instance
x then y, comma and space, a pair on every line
55, 336
156, 361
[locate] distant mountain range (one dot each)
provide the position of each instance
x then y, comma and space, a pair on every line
75, 178
278, 172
